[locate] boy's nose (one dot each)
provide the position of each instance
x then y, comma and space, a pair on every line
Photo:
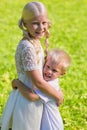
49, 71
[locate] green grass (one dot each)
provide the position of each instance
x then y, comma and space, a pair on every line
68, 32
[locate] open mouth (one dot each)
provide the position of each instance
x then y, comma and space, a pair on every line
47, 76
40, 33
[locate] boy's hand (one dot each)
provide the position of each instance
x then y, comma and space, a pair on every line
24, 90
14, 83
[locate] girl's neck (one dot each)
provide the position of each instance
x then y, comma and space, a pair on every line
27, 36
35, 39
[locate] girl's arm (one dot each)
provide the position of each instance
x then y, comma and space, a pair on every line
41, 84
24, 90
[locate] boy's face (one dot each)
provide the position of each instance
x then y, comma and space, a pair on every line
51, 71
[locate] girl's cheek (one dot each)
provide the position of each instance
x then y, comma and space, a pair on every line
46, 27
35, 26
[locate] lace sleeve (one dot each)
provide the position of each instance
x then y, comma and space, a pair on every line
29, 58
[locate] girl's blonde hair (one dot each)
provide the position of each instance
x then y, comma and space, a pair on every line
31, 10
59, 57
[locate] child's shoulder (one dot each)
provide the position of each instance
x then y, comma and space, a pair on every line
54, 83
25, 43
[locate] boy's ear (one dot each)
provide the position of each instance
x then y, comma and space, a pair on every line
62, 74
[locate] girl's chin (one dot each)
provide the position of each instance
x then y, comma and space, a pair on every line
40, 36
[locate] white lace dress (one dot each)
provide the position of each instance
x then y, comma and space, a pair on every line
26, 115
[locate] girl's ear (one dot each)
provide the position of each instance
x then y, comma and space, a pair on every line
24, 24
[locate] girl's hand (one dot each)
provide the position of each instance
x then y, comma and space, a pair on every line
61, 98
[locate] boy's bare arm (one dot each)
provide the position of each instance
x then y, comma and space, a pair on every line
24, 90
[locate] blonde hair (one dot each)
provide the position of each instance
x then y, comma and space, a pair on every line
31, 10
59, 57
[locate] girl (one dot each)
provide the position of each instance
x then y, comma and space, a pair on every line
29, 62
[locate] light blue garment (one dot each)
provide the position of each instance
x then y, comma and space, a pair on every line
51, 118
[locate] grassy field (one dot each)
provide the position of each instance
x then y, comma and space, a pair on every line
68, 32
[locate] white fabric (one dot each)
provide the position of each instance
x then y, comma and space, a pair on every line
43, 96
25, 115
7, 114
51, 118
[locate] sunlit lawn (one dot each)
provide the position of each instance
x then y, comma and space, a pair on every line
68, 32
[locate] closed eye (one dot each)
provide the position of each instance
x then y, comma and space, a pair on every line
48, 66
55, 71
44, 23
35, 23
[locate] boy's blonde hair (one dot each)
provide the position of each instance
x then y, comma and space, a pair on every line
59, 57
